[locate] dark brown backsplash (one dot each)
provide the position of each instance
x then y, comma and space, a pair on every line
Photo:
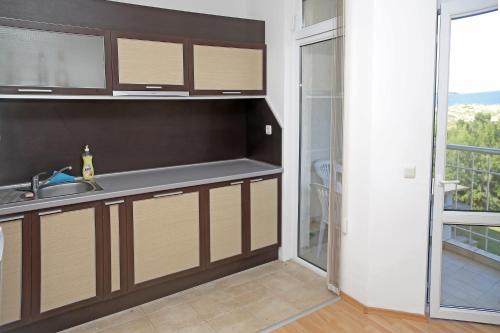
39, 135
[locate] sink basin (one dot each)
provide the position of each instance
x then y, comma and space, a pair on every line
58, 190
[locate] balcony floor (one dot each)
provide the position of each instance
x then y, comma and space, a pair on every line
469, 283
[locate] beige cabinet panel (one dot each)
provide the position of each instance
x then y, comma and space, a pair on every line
225, 222
228, 68
68, 258
165, 235
10, 307
263, 213
150, 62
114, 220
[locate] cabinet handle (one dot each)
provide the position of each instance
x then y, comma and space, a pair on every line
12, 218
167, 194
111, 203
35, 90
256, 180
231, 93
154, 87
236, 183
50, 212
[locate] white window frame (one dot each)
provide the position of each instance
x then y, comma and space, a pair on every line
451, 9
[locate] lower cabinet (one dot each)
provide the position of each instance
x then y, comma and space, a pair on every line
165, 233
226, 221
264, 213
85, 260
11, 282
66, 257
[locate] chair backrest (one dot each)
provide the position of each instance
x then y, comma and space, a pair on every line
323, 194
322, 169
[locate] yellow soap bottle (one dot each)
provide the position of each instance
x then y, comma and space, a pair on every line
88, 168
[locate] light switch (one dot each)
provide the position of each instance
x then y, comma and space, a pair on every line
269, 130
410, 172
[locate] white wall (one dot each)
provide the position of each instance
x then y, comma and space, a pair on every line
390, 58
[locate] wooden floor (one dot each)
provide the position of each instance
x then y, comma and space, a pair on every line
342, 317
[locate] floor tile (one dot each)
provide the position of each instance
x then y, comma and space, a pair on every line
141, 325
175, 318
119, 318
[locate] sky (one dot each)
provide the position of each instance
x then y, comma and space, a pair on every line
475, 54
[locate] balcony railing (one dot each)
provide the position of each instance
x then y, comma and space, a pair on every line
478, 172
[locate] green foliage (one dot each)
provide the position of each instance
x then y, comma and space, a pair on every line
482, 131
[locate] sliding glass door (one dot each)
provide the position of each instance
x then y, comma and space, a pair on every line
315, 140
465, 271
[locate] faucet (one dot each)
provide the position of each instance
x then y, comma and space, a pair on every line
35, 180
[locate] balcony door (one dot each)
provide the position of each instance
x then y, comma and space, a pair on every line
465, 266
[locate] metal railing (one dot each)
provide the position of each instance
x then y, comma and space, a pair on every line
474, 173
469, 238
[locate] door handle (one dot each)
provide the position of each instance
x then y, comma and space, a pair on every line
50, 212
111, 203
163, 195
12, 218
445, 182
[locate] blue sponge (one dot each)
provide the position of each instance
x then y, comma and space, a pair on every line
61, 178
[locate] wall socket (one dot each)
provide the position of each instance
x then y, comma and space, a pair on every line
269, 130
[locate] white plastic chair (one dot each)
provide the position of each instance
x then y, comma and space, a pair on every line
322, 169
323, 194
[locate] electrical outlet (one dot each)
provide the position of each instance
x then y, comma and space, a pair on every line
269, 130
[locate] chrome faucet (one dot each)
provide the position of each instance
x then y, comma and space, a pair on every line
35, 180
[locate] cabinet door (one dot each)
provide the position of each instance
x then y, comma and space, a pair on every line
12, 269
114, 239
67, 254
225, 221
264, 214
149, 63
44, 59
166, 235
228, 69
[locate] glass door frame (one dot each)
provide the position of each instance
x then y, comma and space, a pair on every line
302, 36
323, 37
450, 10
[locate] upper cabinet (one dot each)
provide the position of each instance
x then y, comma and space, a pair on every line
228, 69
149, 63
45, 58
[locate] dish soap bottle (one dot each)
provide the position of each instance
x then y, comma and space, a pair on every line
88, 168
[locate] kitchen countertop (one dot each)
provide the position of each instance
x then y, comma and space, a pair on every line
152, 180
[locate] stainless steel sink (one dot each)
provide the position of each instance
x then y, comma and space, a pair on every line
78, 187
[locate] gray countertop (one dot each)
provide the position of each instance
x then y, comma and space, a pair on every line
152, 180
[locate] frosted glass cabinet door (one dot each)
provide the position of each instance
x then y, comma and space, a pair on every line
69, 60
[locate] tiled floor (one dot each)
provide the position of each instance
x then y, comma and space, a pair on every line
469, 283
245, 302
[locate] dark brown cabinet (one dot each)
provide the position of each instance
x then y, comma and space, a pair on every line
114, 228
15, 281
88, 260
228, 69
67, 257
226, 220
149, 63
163, 235
53, 59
